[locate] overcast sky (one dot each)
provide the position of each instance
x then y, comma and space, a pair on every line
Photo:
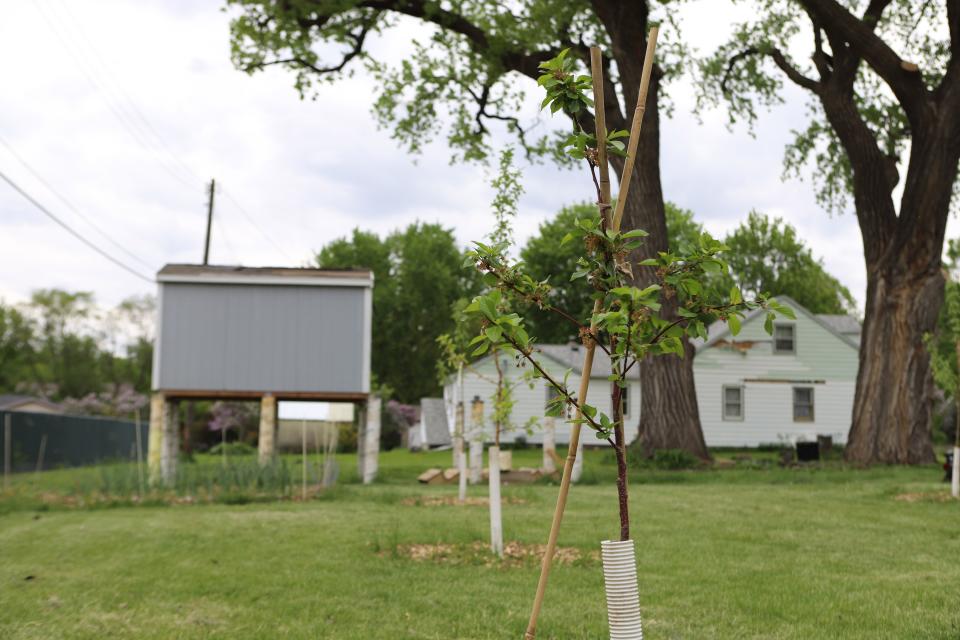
125, 108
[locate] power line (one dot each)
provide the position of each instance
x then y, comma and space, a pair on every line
128, 114
70, 205
72, 231
246, 214
122, 115
131, 103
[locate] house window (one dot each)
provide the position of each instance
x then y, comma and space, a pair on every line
551, 394
625, 400
733, 403
803, 404
784, 338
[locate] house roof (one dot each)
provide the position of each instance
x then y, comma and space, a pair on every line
839, 325
571, 356
11, 402
225, 274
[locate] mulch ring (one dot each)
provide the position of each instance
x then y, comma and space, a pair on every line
515, 554
451, 501
925, 496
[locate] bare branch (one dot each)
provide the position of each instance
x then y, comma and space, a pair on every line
779, 59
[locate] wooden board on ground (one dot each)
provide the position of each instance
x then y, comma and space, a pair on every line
431, 476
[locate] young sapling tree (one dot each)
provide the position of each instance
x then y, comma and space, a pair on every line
626, 323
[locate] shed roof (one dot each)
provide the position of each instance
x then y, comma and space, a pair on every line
227, 274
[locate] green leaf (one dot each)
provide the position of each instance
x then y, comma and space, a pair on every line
735, 296
768, 324
733, 321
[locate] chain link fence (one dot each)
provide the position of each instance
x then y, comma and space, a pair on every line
40, 441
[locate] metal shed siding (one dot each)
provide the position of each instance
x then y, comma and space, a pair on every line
302, 338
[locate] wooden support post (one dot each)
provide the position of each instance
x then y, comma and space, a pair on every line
7, 450
170, 445
158, 407
267, 436
139, 443
371, 442
41, 453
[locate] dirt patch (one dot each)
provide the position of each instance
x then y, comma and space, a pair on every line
447, 501
478, 553
926, 496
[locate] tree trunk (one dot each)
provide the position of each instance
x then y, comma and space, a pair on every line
669, 415
894, 398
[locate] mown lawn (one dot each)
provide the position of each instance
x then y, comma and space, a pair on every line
740, 553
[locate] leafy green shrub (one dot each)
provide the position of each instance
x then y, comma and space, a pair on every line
664, 459
233, 449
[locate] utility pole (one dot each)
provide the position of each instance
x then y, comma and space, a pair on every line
206, 244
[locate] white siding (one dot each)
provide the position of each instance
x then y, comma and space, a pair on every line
531, 402
822, 361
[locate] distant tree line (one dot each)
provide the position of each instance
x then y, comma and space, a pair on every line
60, 346
419, 281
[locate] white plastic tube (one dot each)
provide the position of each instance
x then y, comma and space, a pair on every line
496, 521
623, 596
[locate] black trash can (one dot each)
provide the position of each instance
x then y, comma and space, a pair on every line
808, 451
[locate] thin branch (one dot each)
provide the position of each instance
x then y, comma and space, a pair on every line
358, 40
779, 59
562, 389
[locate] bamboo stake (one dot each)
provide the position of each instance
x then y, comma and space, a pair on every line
596, 69
597, 73
635, 126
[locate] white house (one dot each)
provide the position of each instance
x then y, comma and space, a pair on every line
752, 389
480, 380
756, 389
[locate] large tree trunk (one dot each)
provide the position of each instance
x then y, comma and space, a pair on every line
669, 416
894, 398
892, 412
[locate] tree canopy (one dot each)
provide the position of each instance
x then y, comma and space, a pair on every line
765, 257
546, 256
61, 346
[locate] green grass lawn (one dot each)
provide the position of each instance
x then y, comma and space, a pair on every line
739, 553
